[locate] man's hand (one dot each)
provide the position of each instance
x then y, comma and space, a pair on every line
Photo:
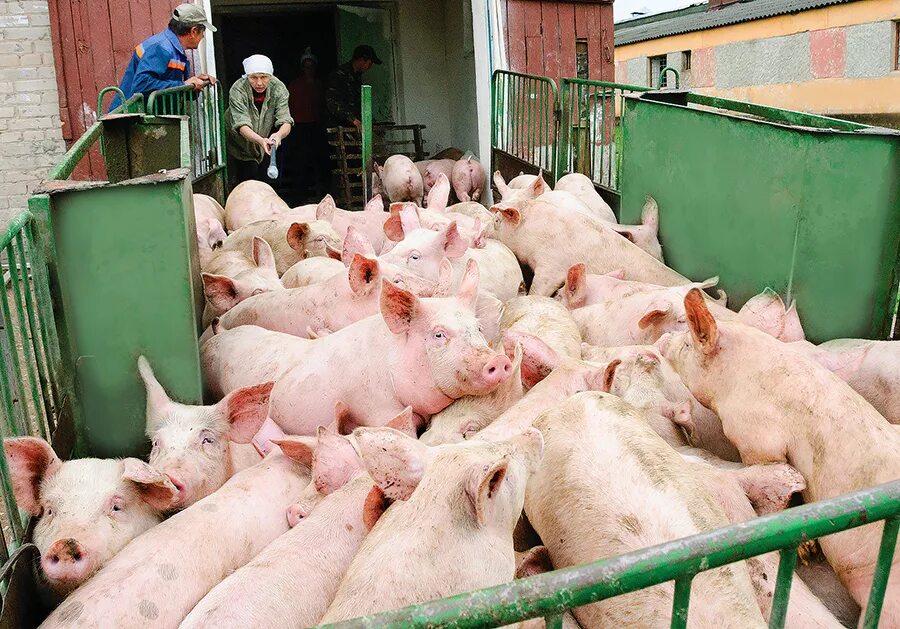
266, 144
196, 82
275, 139
207, 77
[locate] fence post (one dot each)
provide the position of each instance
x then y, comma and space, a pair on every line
366, 119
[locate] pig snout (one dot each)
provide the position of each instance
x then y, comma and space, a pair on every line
66, 562
496, 370
180, 486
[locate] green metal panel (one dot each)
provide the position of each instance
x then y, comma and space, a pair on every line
129, 276
763, 197
366, 120
372, 26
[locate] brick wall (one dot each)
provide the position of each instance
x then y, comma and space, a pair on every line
30, 135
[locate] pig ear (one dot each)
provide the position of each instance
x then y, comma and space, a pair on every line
394, 461
220, 291
30, 461
356, 242
609, 374
538, 359
375, 505
334, 254
154, 487
454, 244
246, 410
325, 209
539, 186
445, 279
409, 218
533, 561
509, 214
650, 214
296, 234
262, 254
375, 204
502, 188
393, 228
345, 421
364, 275
407, 422
439, 194
576, 286
655, 313
468, 287
379, 169
793, 329
158, 402
623, 231
300, 449
398, 307
770, 486
703, 326
483, 485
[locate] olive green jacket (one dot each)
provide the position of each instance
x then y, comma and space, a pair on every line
241, 111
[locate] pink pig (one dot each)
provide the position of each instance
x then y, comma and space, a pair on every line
252, 201
467, 177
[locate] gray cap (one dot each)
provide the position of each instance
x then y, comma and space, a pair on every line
192, 15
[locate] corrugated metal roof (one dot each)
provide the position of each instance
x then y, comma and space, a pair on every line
743, 11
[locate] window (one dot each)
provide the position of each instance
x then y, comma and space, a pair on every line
686, 61
656, 65
582, 70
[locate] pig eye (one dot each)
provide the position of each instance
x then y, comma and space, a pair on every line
258, 291
439, 335
469, 431
48, 511
117, 505
320, 239
414, 256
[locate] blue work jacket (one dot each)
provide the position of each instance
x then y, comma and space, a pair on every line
156, 63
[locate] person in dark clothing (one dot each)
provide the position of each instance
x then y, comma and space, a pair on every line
307, 104
342, 97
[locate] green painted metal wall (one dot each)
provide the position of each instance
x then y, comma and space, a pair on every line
811, 212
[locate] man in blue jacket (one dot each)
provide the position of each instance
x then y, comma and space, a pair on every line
160, 62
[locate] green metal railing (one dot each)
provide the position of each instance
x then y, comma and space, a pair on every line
552, 593
206, 114
590, 133
524, 114
34, 390
366, 131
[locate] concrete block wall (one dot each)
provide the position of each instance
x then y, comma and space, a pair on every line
30, 133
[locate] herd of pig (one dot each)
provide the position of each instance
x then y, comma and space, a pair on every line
398, 421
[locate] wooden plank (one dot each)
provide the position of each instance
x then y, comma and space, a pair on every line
595, 43
87, 85
550, 37
532, 17
70, 70
515, 39
123, 41
141, 22
607, 36
59, 64
581, 20
100, 37
534, 51
566, 39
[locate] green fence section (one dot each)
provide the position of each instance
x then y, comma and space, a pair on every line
806, 205
524, 119
590, 140
552, 593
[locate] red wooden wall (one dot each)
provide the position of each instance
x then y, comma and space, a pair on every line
541, 34
92, 44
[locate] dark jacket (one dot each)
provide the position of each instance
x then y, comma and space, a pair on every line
342, 96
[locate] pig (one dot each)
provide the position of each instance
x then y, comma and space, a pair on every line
332, 305
422, 250
400, 179
208, 217
292, 581
460, 504
406, 218
776, 406
641, 493
583, 189
871, 368
533, 187
370, 221
475, 210
431, 170
533, 231
200, 447
644, 379
267, 356
242, 277
467, 177
159, 577
767, 312
451, 152
743, 492
419, 352
252, 201
312, 271
291, 241
519, 182
645, 235
547, 320
86, 510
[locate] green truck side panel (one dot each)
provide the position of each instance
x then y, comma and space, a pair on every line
811, 213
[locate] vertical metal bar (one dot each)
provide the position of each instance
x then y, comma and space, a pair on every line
882, 572
366, 101
783, 587
553, 622
681, 601
9, 348
27, 334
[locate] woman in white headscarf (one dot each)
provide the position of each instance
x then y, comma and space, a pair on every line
258, 117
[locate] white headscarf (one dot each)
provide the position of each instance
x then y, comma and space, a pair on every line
258, 64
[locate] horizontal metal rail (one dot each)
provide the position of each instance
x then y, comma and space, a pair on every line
524, 118
552, 593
